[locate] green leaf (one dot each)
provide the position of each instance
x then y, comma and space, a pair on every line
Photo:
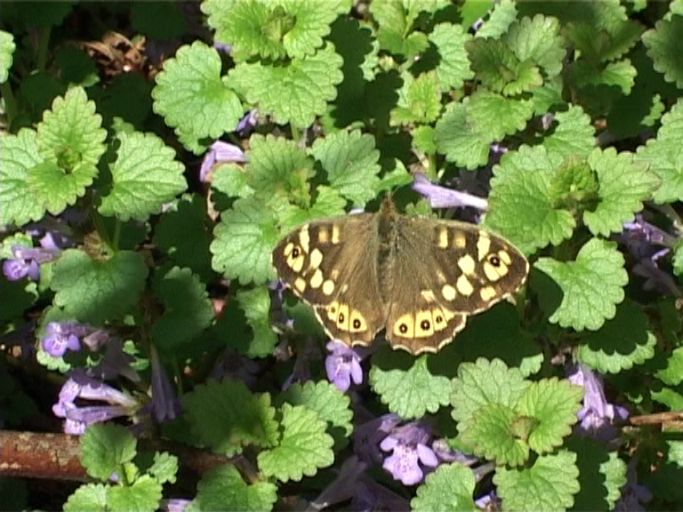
448, 489
294, 92
521, 206
94, 291
143, 496
537, 40
278, 166
243, 241
419, 100
303, 449
105, 447
192, 97
675, 452
453, 67
88, 498
164, 467
187, 308
663, 47
496, 115
256, 306
145, 176
665, 156
619, 74
547, 485
395, 32
592, 285
620, 343
503, 14
573, 136
482, 383
489, 433
222, 488
499, 70
7, 48
461, 141
410, 392
227, 416
351, 162
553, 404
673, 373
677, 260
231, 180
19, 156
624, 186
667, 396
327, 401
328, 204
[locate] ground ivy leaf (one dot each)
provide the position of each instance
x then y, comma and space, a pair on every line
677, 260
303, 449
663, 47
395, 33
547, 485
665, 156
256, 306
448, 489
243, 241
18, 156
482, 383
619, 74
94, 291
673, 373
227, 416
222, 488
88, 498
145, 176
553, 405
489, 433
231, 180
489, 57
328, 203
592, 285
311, 24
538, 40
670, 398
328, 402
497, 115
143, 496
104, 448
675, 452
419, 100
276, 166
292, 93
573, 136
164, 467
620, 343
502, 15
623, 186
351, 162
187, 308
461, 142
7, 48
192, 97
410, 392
521, 207
454, 66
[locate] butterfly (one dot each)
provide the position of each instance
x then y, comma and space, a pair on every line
416, 278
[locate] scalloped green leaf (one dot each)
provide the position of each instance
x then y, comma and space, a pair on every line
448, 489
7, 48
222, 488
663, 47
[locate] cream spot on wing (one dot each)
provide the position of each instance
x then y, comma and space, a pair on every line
439, 319
487, 293
464, 286
296, 258
335, 234
288, 249
404, 326
423, 324
304, 238
443, 238
316, 258
328, 287
448, 292
428, 295
343, 317
357, 322
323, 235
317, 279
494, 273
300, 284
483, 245
459, 240
466, 264
505, 256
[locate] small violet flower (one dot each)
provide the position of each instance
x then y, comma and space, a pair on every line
62, 336
77, 417
219, 152
247, 123
343, 365
175, 505
410, 450
26, 260
597, 416
165, 405
443, 197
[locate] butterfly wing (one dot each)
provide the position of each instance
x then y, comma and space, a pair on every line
443, 272
332, 265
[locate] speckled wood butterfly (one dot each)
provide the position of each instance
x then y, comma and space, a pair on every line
418, 278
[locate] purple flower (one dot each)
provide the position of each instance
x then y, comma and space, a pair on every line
62, 336
247, 123
219, 152
368, 435
77, 417
489, 501
410, 451
597, 416
175, 505
26, 260
343, 365
443, 197
165, 405
18, 269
